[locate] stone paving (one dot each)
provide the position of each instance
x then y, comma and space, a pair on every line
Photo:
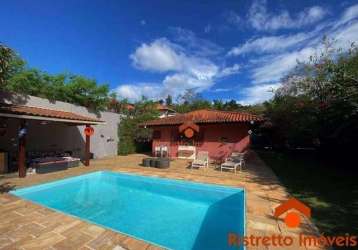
25, 225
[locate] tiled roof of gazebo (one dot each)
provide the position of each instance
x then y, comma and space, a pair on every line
205, 116
163, 107
12, 109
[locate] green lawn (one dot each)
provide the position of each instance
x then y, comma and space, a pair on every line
330, 191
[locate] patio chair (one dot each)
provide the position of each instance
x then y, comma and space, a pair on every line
201, 161
233, 162
164, 151
157, 151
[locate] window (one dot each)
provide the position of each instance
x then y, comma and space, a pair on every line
223, 139
157, 134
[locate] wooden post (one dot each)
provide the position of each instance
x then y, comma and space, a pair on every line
22, 150
87, 149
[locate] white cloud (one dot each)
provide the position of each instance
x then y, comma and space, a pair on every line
274, 67
185, 67
222, 89
178, 83
233, 18
231, 70
267, 70
157, 56
134, 92
349, 14
143, 22
347, 35
199, 77
258, 93
194, 45
268, 44
192, 62
260, 19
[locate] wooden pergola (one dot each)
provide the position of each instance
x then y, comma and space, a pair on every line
25, 113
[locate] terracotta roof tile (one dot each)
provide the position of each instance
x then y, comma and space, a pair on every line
159, 106
129, 106
205, 116
42, 112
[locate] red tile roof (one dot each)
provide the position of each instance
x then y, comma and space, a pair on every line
163, 107
129, 106
205, 116
46, 113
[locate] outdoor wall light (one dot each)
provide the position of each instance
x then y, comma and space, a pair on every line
22, 132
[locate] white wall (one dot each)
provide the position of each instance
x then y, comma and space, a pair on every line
60, 136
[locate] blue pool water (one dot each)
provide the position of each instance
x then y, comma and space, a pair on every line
170, 213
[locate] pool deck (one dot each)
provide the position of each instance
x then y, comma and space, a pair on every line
25, 225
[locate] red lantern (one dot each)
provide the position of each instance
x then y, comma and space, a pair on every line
89, 131
189, 133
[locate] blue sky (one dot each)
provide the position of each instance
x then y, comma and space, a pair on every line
225, 49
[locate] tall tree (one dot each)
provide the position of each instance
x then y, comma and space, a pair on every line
132, 137
6, 57
231, 105
169, 100
189, 96
218, 104
319, 100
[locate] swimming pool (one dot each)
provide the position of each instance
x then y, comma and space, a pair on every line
174, 214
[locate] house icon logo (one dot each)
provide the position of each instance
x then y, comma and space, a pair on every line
292, 218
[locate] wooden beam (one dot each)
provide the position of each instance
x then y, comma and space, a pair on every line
22, 150
42, 118
87, 148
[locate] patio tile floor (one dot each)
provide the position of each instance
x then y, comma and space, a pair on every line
24, 225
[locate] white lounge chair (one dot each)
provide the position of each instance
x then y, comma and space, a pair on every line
234, 162
161, 151
201, 161
157, 151
164, 151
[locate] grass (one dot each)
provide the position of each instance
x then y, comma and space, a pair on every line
330, 191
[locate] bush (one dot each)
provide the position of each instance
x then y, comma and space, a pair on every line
132, 137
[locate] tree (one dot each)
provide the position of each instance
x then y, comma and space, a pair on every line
218, 104
87, 92
132, 137
16, 76
190, 101
8, 63
319, 100
169, 100
200, 104
231, 105
189, 96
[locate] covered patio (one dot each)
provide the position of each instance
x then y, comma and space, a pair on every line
23, 126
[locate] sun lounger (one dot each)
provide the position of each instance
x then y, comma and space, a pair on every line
201, 161
234, 162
